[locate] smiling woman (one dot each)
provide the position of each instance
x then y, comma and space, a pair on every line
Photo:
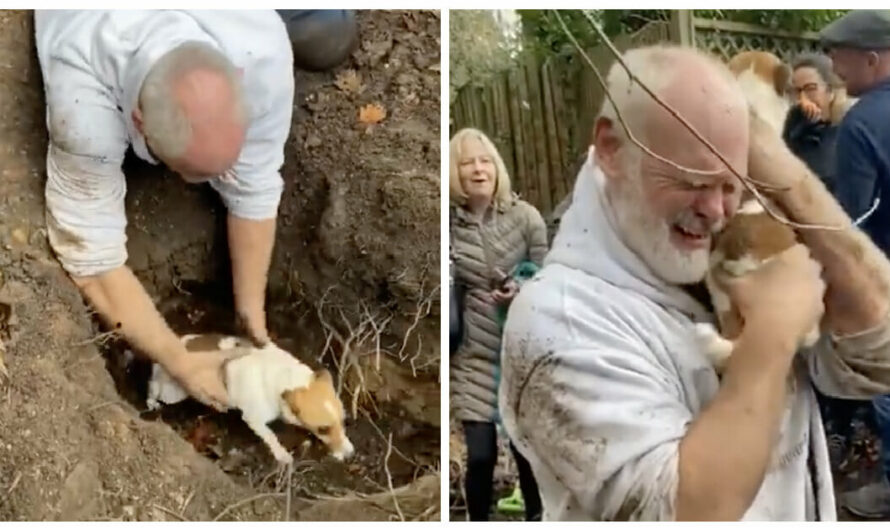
494, 235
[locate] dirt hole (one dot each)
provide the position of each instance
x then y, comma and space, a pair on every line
225, 439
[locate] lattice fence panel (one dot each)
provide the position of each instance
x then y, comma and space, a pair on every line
725, 44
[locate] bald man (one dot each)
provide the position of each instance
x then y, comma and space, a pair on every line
207, 93
606, 389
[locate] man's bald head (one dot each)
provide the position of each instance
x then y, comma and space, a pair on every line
697, 86
191, 111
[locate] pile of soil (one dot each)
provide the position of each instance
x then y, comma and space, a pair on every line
358, 233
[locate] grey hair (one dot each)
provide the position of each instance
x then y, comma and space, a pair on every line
164, 124
656, 67
822, 64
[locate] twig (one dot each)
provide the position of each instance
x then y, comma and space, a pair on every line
392, 491
104, 404
245, 501
380, 432
423, 309
170, 512
99, 338
426, 513
188, 500
290, 470
15, 482
177, 284
746, 181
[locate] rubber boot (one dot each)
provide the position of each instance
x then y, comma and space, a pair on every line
321, 38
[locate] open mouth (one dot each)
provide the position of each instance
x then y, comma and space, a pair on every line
695, 239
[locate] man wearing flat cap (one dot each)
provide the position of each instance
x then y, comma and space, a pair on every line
859, 45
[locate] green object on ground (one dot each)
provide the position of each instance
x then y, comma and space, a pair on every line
512, 504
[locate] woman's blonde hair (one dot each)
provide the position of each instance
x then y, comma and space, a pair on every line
503, 193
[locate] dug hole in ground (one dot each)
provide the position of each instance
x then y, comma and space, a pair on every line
354, 286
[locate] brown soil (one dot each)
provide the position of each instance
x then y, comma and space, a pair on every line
358, 234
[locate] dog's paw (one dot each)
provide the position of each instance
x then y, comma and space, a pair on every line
716, 348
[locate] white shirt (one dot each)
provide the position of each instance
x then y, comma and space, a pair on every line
93, 65
602, 376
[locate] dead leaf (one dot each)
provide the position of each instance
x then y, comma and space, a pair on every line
349, 81
372, 113
19, 236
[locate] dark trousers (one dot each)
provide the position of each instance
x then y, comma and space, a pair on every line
482, 456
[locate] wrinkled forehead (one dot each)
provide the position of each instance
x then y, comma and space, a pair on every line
715, 107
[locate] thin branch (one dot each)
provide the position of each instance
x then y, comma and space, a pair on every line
245, 501
169, 512
290, 471
392, 491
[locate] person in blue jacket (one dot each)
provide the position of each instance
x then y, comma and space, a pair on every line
859, 45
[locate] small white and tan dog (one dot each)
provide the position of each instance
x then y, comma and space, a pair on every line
267, 384
750, 239
766, 82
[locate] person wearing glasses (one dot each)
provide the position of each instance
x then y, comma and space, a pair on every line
812, 123
209, 94
859, 46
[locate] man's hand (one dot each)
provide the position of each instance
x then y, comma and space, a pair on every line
780, 303
201, 375
783, 297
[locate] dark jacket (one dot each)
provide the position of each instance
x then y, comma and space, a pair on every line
863, 163
814, 143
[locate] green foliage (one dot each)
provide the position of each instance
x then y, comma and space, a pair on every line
543, 33
479, 48
787, 19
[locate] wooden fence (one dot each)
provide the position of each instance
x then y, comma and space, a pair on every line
540, 113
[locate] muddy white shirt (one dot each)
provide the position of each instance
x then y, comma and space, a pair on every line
93, 65
602, 377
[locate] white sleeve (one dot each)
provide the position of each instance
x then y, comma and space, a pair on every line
85, 188
256, 189
597, 409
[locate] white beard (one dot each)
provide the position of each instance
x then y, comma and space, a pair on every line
649, 237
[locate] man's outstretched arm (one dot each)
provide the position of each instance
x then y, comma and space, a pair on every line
250, 247
124, 305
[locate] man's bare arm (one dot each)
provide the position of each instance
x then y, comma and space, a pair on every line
856, 271
717, 482
779, 303
250, 246
124, 305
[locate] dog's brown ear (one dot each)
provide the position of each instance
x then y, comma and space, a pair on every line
782, 78
324, 375
290, 397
